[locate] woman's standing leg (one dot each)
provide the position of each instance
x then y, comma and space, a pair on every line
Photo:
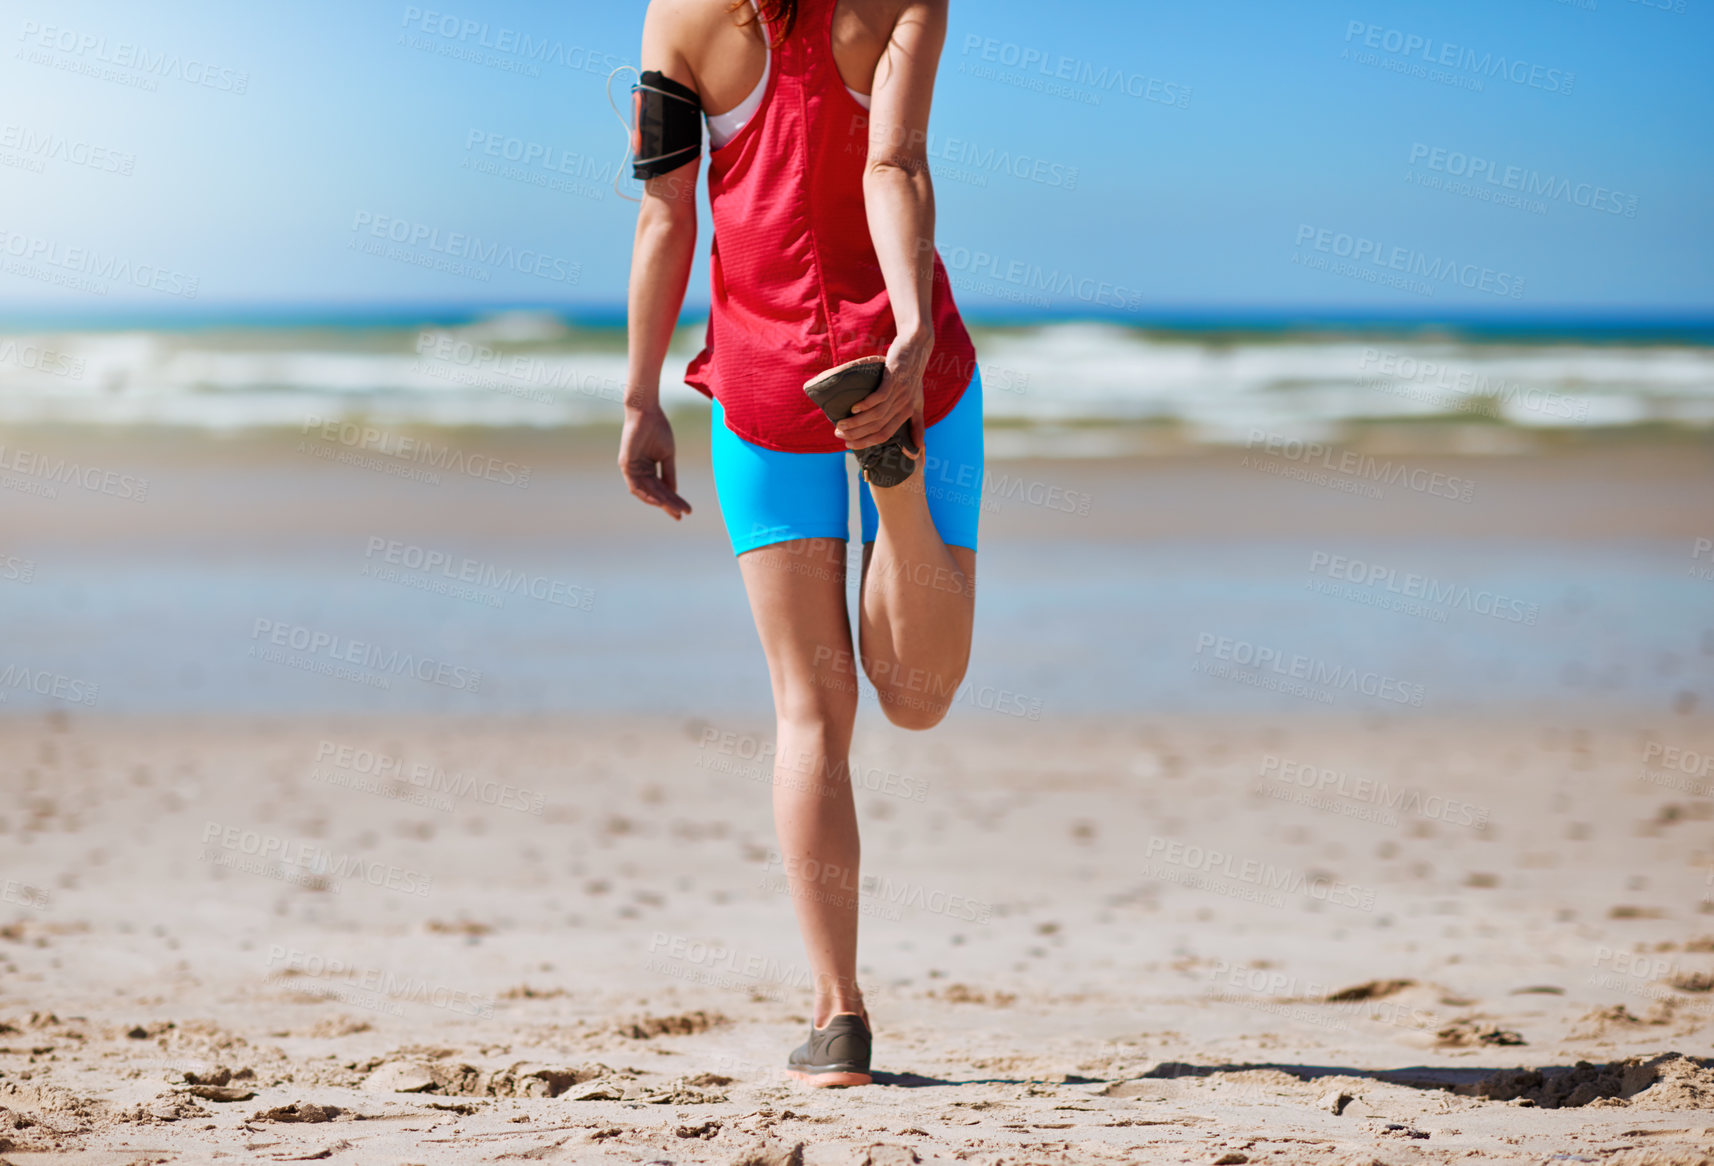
797, 596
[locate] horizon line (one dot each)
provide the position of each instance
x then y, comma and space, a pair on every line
1698, 323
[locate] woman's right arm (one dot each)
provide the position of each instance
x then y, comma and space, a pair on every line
899, 197
661, 257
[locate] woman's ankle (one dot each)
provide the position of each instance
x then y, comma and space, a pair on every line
827, 1008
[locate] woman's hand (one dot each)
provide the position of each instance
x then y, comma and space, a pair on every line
646, 459
899, 399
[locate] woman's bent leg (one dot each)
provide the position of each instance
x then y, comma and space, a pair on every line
797, 596
919, 571
918, 604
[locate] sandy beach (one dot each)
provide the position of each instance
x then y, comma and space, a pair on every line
254, 912
1134, 941
1330, 781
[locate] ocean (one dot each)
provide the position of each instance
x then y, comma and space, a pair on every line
1205, 383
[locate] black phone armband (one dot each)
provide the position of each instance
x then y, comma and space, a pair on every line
666, 125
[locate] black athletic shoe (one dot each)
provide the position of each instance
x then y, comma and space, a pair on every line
835, 1055
836, 390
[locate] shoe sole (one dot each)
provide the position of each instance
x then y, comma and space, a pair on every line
831, 1080
822, 381
828, 384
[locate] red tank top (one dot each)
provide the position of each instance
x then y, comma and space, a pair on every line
796, 287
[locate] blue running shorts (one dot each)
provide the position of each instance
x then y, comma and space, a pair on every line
768, 497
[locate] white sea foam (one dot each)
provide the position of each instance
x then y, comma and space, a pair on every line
529, 370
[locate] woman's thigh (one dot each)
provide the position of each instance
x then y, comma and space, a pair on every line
797, 597
952, 475
786, 516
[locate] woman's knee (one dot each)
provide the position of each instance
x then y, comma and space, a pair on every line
912, 697
820, 703
911, 709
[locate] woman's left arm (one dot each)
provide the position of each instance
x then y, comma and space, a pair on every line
661, 257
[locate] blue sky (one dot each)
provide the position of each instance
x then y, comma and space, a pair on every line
1210, 157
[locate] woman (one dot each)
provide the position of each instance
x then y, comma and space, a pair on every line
817, 114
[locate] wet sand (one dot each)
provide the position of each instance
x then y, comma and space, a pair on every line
288, 490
